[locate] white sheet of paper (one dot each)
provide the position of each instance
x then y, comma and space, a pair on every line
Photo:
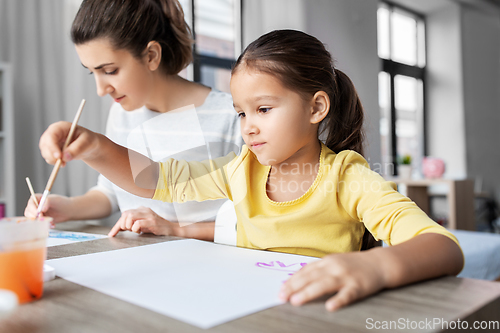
201, 283
57, 237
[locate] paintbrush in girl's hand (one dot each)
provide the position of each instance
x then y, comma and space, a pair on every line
53, 175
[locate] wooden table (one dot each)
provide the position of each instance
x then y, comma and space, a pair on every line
67, 307
460, 196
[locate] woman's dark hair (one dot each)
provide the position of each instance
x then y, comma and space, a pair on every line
132, 24
302, 63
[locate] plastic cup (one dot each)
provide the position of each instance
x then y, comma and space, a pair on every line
23, 249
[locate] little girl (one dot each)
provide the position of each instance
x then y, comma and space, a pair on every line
292, 192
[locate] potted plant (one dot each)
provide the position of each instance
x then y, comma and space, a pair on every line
404, 166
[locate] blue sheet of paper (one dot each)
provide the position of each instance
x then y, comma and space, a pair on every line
57, 237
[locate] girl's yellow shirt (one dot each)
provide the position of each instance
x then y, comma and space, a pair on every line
330, 217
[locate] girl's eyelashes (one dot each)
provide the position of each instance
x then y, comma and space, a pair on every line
261, 110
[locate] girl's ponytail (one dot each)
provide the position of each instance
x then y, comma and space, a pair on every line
344, 124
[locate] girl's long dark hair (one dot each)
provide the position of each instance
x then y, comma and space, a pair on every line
132, 24
302, 63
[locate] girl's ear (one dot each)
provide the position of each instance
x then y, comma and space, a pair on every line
153, 55
320, 106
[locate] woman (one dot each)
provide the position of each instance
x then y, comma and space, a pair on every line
135, 50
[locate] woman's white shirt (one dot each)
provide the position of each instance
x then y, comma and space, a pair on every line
208, 131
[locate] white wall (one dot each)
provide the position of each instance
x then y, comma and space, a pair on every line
463, 91
481, 73
261, 16
445, 105
347, 27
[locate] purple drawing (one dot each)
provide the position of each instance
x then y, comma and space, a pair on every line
279, 266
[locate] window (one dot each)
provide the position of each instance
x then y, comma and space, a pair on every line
216, 25
401, 48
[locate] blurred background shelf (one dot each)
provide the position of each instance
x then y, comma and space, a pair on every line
460, 198
7, 168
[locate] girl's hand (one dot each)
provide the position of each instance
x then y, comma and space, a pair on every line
83, 145
58, 207
144, 220
352, 276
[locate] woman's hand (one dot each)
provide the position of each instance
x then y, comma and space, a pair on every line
58, 207
84, 143
144, 220
352, 276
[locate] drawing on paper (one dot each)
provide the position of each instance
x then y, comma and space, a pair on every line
72, 236
280, 266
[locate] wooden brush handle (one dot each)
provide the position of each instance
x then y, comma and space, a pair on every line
53, 175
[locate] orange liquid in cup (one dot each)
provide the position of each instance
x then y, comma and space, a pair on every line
22, 272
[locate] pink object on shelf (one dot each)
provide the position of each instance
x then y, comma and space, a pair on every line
2, 210
433, 167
